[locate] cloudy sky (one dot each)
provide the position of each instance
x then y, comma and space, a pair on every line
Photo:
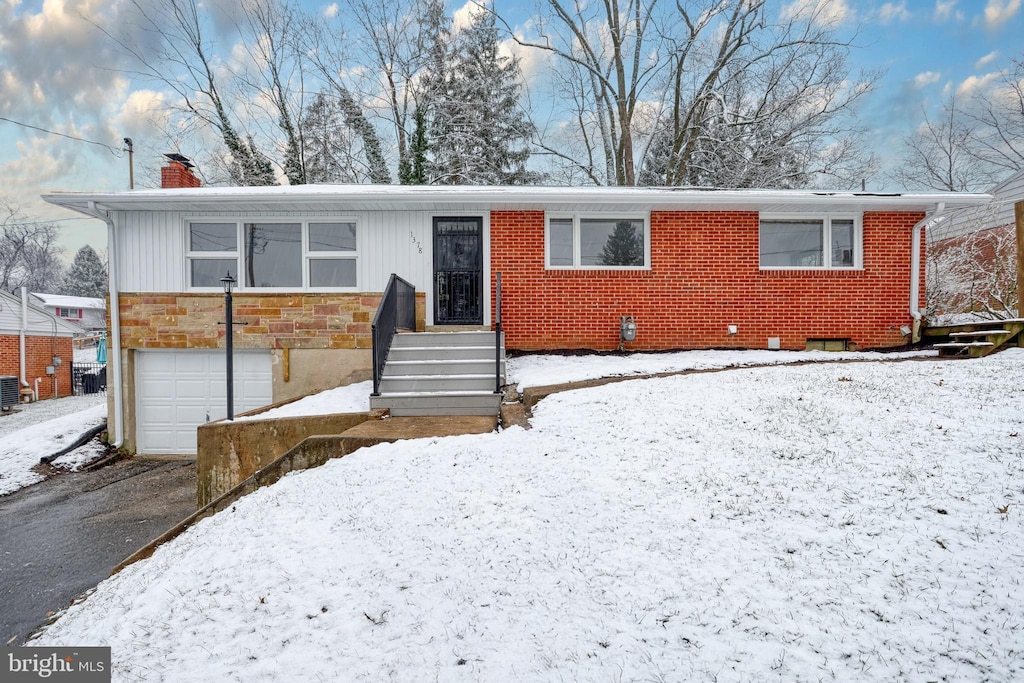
61, 75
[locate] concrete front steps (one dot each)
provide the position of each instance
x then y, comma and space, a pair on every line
440, 373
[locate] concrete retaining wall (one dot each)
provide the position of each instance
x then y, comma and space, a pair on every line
228, 453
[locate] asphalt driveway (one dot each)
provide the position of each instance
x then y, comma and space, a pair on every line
63, 536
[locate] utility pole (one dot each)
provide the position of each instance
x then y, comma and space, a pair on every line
131, 164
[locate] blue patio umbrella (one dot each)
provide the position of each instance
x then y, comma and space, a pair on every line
101, 351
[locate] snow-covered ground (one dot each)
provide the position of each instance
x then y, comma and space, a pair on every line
354, 398
44, 428
821, 522
544, 369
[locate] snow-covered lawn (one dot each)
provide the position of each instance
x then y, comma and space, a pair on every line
44, 428
820, 522
353, 398
544, 369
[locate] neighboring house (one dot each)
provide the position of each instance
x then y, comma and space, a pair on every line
46, 338
86, 313
695, 268
973, 258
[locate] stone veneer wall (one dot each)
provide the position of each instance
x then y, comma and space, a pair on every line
276, 321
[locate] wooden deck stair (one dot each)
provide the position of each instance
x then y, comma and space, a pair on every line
975, 340
441, 373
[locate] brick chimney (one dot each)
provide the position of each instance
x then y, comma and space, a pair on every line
178, 173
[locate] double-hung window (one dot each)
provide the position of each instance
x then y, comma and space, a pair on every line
618, 242
274, 254
811, 241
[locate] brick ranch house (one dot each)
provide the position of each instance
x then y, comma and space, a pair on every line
30, 338
695, 268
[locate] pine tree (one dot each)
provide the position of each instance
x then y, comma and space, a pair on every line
87, 275
625, 246
479, 135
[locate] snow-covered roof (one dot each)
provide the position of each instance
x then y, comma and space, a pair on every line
976, 218
64, 301
483, 198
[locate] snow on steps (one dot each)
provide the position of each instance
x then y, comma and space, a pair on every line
440, 373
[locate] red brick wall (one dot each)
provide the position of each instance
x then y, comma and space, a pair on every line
39, 352
704, 276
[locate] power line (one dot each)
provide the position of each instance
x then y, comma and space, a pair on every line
116, 151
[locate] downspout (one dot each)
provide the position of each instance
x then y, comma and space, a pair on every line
115, 324
915, 269
24, 329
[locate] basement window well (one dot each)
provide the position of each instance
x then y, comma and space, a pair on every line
828, 345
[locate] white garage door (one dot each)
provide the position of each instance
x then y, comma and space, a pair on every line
176, 391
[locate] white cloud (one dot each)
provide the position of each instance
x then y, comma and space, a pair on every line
998, 12
944, 10
330, 11
926, 78
462, 17
892, 11
987, 59
973, 84
823, 12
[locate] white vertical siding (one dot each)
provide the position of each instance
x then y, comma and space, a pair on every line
150, 251
152, 248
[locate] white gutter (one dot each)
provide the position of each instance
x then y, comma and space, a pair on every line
915, 268
115, 324
24, 329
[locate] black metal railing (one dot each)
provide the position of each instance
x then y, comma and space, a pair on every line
497, 334
88, 378
397, 311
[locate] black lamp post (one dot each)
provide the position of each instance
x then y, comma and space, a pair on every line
229, 283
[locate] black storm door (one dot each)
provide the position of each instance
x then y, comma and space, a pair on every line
458, 271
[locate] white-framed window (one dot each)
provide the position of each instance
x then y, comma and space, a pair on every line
212, 252
597, 241
69, 313
832, 241
319, 254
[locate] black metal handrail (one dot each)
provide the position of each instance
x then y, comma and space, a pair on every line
497, 334
397, 310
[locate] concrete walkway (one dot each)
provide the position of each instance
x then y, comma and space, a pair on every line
61, 537
393, 429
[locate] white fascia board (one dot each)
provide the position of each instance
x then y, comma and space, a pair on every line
396, 197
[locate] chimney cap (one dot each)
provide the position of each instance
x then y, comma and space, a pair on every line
183, 160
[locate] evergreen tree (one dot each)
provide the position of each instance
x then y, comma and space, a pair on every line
625, 246
479, 133
87, 275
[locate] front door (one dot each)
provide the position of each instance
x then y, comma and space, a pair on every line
458, 271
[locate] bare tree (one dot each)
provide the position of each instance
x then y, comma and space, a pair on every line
1000, 115
973, 274
715, 92
972, 143
938, 156
169, 44
29, 252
